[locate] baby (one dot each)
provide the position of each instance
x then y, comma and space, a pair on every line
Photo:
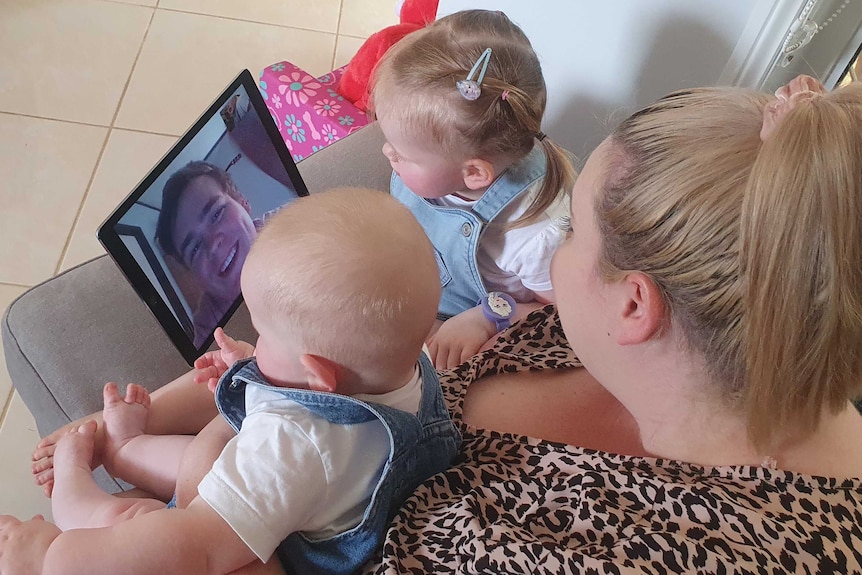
338, 415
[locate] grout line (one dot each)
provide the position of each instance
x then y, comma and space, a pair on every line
128, 4
48, 118
88, 124
7, 405
235, 19
140, 131
14, 284
68, 242
337, 34
134, 65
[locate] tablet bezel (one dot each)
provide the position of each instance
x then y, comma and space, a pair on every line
127, 263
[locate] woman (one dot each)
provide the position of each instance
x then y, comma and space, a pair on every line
711, 288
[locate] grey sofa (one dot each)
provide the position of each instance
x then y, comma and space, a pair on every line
66, 337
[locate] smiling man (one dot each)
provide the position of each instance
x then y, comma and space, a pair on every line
206, 225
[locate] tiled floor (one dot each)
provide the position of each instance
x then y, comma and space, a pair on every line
92, 93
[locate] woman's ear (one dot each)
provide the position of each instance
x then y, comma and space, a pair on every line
321, 373
642, 310
477, 173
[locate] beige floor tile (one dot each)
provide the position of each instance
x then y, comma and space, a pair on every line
319, 15
152, 3
45, 170
127, 158
7, 294
362, 18
67, 59
20, 496
345, 49
187, 60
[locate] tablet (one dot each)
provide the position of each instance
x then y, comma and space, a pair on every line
182, 235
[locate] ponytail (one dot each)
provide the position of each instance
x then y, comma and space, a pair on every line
801, 268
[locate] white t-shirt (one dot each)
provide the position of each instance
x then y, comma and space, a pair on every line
518, 260
289, 470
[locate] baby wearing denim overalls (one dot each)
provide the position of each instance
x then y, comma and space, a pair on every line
339, 415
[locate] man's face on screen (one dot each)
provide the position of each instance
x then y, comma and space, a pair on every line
213, 234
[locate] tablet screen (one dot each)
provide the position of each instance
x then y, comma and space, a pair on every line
183, 234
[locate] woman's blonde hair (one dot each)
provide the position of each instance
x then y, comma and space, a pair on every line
415, 85
756, 247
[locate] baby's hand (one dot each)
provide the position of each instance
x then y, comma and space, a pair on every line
212, 365
24, 544
459, 338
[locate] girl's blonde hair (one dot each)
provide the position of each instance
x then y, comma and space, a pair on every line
415, 85
756, 247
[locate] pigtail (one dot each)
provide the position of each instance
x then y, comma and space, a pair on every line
558, 182
514, 107
801, 265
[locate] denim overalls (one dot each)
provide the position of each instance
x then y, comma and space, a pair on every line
421, 446
455, 233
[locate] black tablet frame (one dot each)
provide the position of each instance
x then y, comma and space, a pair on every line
110, 235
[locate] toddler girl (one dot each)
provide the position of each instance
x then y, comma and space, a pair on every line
460, 104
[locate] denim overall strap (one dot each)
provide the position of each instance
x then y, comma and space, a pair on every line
455, 233
421, 445
230, 398
514, 180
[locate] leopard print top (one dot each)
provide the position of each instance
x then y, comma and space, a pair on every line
514, 504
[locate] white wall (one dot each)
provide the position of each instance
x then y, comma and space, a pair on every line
603, 59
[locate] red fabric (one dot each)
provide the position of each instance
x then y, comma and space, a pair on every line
354, 85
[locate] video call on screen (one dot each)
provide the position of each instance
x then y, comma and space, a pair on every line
191, 230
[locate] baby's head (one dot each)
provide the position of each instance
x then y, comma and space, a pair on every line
346, 279
415, 87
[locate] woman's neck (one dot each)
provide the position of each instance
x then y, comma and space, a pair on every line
680, 418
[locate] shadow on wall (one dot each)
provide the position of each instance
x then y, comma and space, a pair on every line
681, 53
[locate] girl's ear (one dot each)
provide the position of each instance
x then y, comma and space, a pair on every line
321, 373
477, 174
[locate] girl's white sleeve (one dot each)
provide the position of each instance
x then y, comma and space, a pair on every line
532, 249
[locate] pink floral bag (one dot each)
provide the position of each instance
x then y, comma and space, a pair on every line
309, 113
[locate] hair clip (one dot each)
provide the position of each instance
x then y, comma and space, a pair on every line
505, 95
541, 136
469, 88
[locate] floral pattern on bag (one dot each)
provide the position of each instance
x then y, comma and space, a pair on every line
309, 112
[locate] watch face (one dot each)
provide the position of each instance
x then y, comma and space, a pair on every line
499, 304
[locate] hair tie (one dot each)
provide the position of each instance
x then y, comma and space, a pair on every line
469, 88
800, 89
541, 136
505, 95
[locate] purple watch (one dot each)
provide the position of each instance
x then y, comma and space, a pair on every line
498, 307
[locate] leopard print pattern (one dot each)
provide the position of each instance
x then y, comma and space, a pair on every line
514, 504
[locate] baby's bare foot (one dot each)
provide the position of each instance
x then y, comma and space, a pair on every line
124, 418
75, 451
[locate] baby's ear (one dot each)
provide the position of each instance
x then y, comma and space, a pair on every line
321, 373
478, 173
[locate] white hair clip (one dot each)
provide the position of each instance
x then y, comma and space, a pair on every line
469, 88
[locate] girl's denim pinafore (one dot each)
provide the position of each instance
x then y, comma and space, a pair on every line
455, 233
421, 446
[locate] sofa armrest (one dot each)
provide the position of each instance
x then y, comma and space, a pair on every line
66, 337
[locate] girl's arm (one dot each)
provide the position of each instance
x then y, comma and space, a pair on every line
462, 336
